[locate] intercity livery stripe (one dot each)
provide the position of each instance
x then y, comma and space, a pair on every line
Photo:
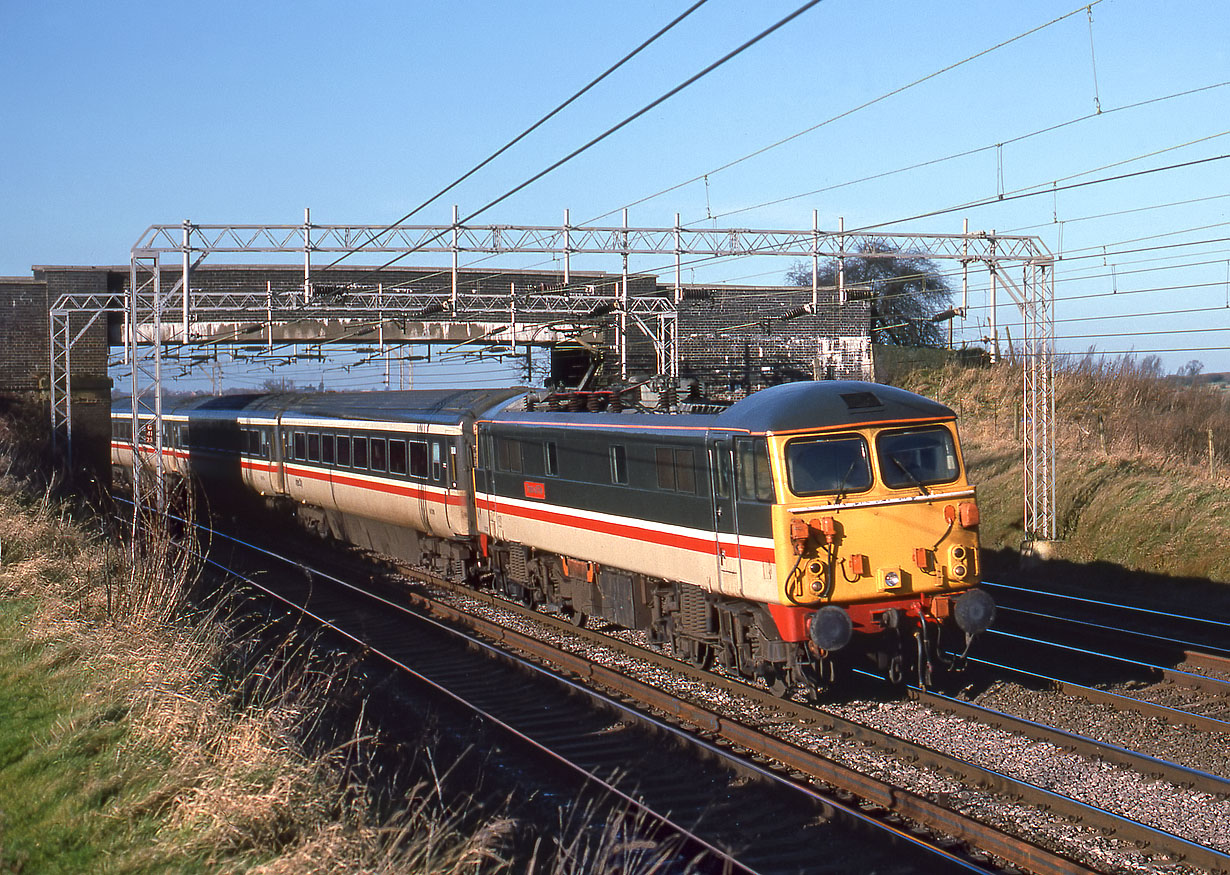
376, 484
696, 540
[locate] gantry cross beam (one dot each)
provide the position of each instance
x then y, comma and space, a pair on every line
161, 312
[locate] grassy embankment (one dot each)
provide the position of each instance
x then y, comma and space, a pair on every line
126, 747
1133, 482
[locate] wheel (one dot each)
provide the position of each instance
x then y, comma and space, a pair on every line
577, 618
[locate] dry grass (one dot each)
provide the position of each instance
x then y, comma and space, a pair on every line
1134, 484
229, 787
200, 772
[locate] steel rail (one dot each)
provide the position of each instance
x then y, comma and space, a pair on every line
1101, 604
989, 839
1142, 834
902, 802
1103, 627
1175, 773
1174, 675
1118, 700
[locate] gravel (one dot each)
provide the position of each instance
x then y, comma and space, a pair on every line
1196, 816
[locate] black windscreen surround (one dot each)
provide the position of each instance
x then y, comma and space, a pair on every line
835, 464
917, 457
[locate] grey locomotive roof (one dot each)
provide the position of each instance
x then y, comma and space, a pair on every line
794, 406
782, 408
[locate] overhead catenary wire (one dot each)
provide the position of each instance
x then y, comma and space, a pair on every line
967, 152
620, 125
848, 112
535, 126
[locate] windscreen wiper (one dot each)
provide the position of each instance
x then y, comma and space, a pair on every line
910, 474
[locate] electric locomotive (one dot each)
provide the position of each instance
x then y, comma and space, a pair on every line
808, 529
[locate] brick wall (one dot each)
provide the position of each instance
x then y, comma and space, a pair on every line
25, 355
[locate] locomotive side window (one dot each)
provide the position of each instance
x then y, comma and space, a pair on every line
917, 457
397, 457
418, 458
264, 442
314, 447
722, 475
675, 469
299, 451
508, 454
830, 464
327, 445
376, 456
619, 464
359, 452
754, 477
343, 450
437, 465
550, 459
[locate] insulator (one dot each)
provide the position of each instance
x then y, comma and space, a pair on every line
432, 309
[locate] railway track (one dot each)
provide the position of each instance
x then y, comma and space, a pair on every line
714, 783
1158, 664
769, 756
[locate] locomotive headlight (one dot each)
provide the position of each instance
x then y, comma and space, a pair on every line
960, 561
891, 578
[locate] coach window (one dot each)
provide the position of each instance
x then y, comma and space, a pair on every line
314, 447
397, 457
326, 449
377, 454
754, 478
300, 448
264, 443
418, 459
619, 464
550, 459
359, 452
437, 465
343, 450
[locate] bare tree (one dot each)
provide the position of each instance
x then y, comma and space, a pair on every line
907, 292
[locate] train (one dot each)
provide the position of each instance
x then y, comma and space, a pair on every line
800, 533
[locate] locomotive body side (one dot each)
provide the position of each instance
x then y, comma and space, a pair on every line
628, 492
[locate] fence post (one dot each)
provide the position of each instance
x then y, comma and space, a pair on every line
1212, 457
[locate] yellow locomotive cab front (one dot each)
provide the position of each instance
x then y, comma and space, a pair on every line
877, 532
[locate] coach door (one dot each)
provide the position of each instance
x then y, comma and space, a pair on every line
725, 516
277, 458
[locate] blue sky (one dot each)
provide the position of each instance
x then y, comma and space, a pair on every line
115, 116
